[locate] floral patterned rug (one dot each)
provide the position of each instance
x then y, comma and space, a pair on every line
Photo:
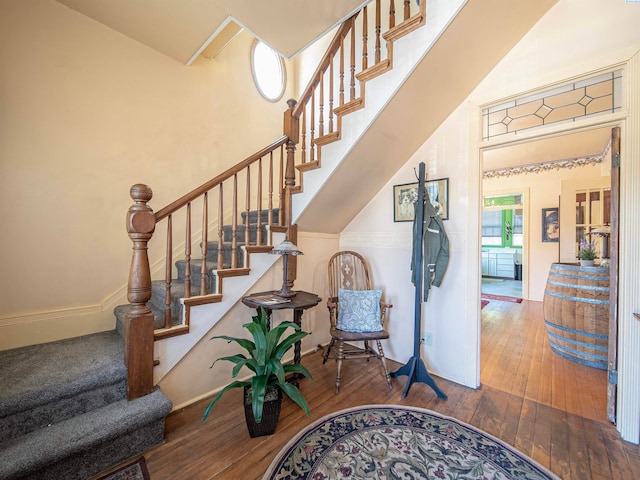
398, 442
136, 470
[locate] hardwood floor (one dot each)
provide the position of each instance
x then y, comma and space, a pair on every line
548, 407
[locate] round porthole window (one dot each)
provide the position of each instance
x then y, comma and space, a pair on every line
268, 71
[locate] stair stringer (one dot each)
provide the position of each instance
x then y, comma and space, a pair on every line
169, 351
408, 52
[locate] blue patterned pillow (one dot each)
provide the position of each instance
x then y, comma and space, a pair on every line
359, 310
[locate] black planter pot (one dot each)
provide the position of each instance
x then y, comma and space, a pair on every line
270, 412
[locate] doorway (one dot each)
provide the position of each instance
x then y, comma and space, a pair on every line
502, 244
545, 188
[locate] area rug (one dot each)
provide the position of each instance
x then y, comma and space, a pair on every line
136, 470
483, 303
502, 298
398, 442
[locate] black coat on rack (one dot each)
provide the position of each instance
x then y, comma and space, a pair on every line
415, 368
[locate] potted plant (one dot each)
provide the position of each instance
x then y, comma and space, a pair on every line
587, 254
263, 392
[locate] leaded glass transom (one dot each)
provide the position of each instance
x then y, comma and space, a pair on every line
593, 96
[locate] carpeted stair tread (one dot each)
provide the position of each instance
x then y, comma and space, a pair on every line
196, 272
39, 374
85, 436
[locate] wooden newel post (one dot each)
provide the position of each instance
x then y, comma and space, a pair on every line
291, 129
138, 326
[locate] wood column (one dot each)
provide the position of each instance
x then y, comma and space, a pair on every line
138, 324
291, 129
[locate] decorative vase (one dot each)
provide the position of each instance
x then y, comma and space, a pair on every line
270, 412
586, 263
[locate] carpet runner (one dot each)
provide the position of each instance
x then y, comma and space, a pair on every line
394, 441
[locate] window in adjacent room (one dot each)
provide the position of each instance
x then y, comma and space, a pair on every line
492, 228
502, 221
268, 71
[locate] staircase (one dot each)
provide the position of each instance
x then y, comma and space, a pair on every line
63, 407
158, 303
66, 400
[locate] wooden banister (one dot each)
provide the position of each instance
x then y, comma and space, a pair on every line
308, 124
333, 48
205, 187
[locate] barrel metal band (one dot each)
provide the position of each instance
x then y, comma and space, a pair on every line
601, 364
579, 332
591, 346
602, 278
594, 301
579, 353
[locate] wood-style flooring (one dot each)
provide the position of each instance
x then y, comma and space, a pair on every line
548, 407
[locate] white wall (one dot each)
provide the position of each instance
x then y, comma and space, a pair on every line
576, 37
387, 245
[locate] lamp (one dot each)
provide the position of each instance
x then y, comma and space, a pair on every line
605, 233
285, 248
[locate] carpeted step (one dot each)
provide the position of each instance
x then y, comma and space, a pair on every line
158, 295
227, 252
227, 233
49, 383
87, 444
158, 317
157, 303
196, 272
264, 216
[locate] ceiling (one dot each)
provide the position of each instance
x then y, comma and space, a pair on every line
181, 29
565, 147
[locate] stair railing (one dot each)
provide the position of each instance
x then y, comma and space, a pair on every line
259, 179
337, 86
315, 120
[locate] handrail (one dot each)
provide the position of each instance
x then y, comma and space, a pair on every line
205, 187
304, 127
342, 32
339, 74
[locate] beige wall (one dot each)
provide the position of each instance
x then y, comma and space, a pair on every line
87, 112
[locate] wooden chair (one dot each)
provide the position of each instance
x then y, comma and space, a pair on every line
350, 271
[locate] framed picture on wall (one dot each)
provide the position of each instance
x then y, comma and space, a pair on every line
550, 225
405, 197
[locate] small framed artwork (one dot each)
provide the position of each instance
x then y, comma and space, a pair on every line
550, 225
405, 197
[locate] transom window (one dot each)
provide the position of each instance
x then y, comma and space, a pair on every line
268, 71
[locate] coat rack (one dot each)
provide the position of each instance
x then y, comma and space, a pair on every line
415, 368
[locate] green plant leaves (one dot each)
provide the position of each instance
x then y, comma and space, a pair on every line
231, 386
258, 391
294, 394
264, 359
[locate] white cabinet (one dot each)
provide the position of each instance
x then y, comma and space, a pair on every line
498, 264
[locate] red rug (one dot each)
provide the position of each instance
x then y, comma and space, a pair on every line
483, 304
501, 298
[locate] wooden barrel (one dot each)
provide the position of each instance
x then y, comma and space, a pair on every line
576, 313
